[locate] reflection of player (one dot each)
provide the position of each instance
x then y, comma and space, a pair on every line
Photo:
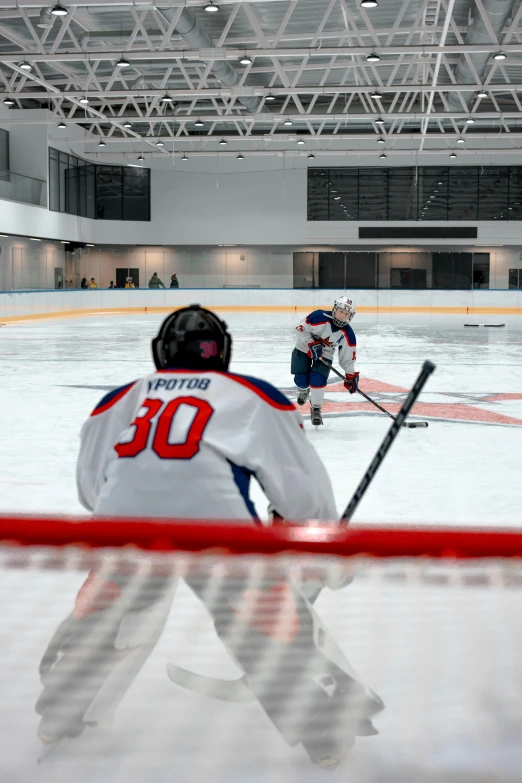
184, 442
317, 337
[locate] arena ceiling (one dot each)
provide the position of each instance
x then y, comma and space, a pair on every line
426, 76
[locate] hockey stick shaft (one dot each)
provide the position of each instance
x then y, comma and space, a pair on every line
366, 397
385, 446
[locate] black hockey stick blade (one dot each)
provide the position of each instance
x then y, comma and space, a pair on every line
236, 691
427, 369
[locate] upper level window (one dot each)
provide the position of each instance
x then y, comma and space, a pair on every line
97, 191
407, 193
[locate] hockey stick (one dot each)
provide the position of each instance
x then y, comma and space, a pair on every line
427, 369
238, 690
409, 424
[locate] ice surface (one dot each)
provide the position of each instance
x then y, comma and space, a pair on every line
446, 660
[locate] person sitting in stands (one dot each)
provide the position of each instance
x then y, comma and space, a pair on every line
92, 283
111, 284
155, 282
83, 284
174, 282
129, 283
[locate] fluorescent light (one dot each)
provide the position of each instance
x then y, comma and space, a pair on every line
269, 98
123, 63
4, 235
62, 125
211, 8
64, 241
34, 239
8, 102
59, 10
223, 142
135, 165
166, 99
373, 58
25, 66
245, 60
500, 56
88, 244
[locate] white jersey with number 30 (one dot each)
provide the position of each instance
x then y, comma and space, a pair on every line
185, 443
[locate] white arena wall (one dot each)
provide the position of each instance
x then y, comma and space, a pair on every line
374, 306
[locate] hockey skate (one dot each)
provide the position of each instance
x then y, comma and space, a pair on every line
317, 419
302, 396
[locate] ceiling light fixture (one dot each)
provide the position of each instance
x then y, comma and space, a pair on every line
381, 141
500, 56
383, 155
89, 244
245, 60
470, 121
337, 198
211, 8
223, 142
375, 95
127, 124
369, 3
167, 99
300, 141
440, 183
59, 10
84, 99
452, 155
159, 144
199, 124
460, 140
184, 157
379, 121
64, 241
25, 66
62, 125
240, 157
34, 239
123, 63
101, 144
288, 123
140, 157
8, 102
373, 57
4, 235
311, 156
269, 98
482, 94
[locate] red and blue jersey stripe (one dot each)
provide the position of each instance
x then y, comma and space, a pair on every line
112, 398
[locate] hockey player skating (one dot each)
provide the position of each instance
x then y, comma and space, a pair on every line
317, 337
183, 442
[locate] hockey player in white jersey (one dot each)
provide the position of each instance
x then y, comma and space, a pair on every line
317, 337
183, 442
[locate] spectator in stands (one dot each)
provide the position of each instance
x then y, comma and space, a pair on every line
92, 283
174, 282
129, 283
155, 282
83, 284
111, 284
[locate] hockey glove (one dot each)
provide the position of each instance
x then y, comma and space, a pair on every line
351, 382
315, 351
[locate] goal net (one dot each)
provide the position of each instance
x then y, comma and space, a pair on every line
124, 646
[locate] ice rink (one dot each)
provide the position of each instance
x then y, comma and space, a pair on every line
445, 660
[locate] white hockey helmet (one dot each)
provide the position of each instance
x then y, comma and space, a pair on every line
343, 311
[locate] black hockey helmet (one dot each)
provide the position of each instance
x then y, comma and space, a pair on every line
192, 338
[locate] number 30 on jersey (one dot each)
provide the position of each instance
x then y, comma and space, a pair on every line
153, 427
